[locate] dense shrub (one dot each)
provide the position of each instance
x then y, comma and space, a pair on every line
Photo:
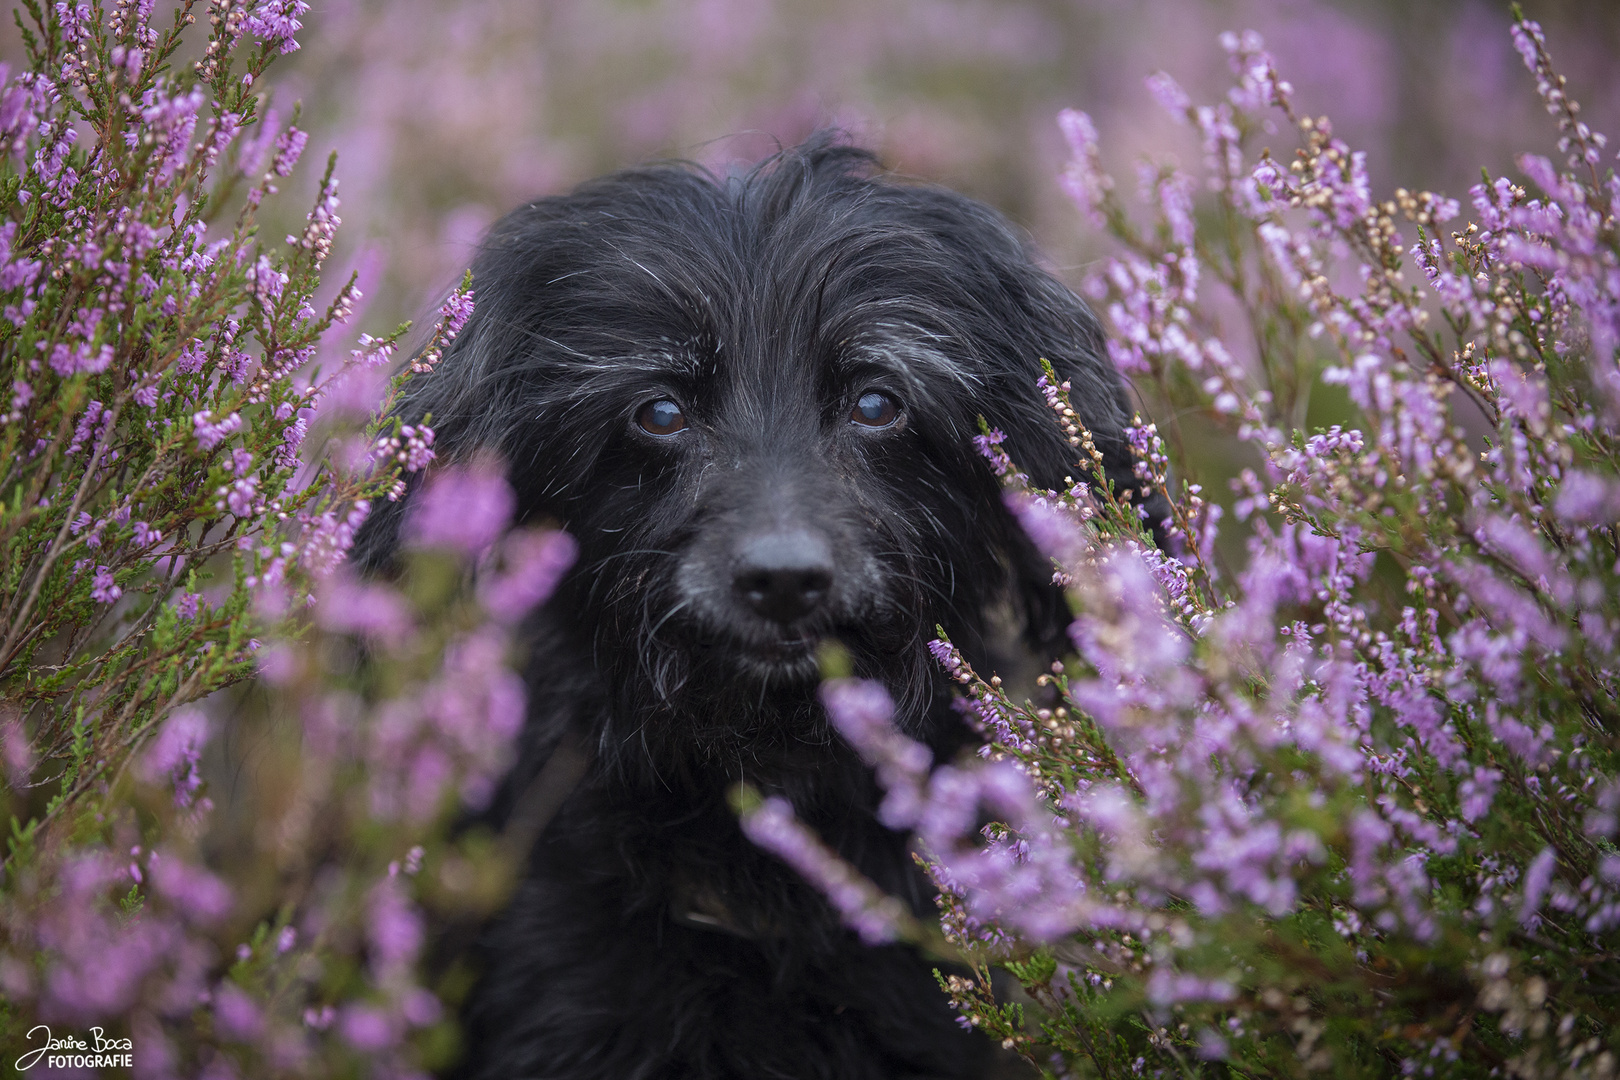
1340, 796
162, 371
1347, 803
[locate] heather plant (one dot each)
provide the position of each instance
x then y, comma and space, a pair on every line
154, 406
448, 114
1345, 803
160, 517
159, 381
285, 931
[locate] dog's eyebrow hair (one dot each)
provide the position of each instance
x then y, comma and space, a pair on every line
637, 263
508, 324
599, 362
909, 341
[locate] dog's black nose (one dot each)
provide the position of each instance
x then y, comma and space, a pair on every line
784, 575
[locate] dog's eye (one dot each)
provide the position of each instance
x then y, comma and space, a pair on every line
875, 409
661, 418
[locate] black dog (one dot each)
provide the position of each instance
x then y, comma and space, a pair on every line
751, 400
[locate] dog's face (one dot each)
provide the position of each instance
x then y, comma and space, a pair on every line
752, 402
788, 460
785, 491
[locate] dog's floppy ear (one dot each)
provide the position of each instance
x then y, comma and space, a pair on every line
1026, 315
467, 408
1063, 331
1023, 315
1066, 333
482, 395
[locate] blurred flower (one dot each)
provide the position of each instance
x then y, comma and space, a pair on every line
464, 511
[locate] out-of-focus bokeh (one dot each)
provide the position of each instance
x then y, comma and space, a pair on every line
446, 114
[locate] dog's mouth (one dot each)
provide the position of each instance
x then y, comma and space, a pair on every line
779, 659
786, 647
786, 650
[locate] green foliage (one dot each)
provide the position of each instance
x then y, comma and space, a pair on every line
1342, 799
157, 358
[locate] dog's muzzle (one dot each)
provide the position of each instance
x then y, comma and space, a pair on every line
784, 576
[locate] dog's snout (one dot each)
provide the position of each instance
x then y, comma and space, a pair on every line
784, 575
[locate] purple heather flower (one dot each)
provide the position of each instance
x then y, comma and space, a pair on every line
81, 358
201, 896
274, 22
1083, 179
98, 962
1212, 1046
328, 537
373, 352
534, 563
421, 1008
16, 752
102, 589
1169, 94
240, 497
863, 712
463, 509
91, 426
1588, 499
236, 1015
455, 313
289, 148
1476, 792
170, 122
372, 609
990, 446
414, 447
355, 391
951, 810
173, 755
1056, 532
210, 433
1166, 987
367, 1028
266, 281
393, 929
192, 358
1537, 876
277, 663
865, 909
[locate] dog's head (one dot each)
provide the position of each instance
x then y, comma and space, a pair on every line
752, 401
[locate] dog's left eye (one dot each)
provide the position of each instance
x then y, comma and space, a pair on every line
875, 409
661, 418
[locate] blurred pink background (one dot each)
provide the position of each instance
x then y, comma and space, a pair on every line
447, 114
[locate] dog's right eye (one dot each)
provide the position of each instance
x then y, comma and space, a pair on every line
875, 409
662, 418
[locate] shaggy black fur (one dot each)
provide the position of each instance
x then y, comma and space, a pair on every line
649, 938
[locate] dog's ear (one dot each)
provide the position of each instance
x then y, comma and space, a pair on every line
1062, 330
1026, 315
465, 405
483, 394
